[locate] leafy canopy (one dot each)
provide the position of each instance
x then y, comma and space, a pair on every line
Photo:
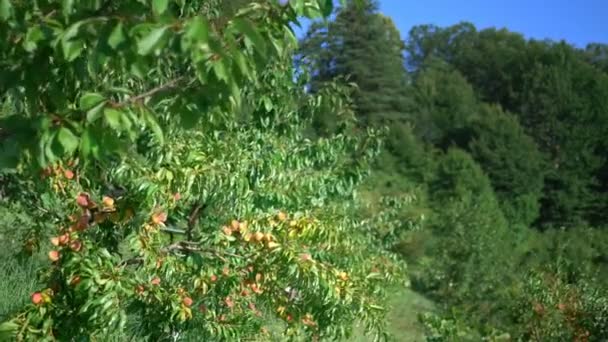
174, 192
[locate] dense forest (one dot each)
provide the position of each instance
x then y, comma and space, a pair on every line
503, 140
251, 187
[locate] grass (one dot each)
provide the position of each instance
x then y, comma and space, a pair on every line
402, 317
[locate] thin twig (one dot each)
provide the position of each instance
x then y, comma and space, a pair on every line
169, 85
191, 246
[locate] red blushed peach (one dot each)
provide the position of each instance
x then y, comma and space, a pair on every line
155, 281
37, 298
228, 301
139, 289
69, 174
187, 301
64, 239
159, 218
76, 245
54, 255
83, 199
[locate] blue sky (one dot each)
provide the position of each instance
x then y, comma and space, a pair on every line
577, 21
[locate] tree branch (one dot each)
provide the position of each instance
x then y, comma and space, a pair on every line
137, 98
192, 246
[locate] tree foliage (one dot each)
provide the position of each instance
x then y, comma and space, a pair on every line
173, 189
365, 47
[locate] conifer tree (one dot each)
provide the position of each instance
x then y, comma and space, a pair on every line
364, 46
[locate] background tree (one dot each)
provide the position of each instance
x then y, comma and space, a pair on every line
365, 47
512, 162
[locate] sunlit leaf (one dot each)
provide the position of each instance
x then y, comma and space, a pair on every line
152, 41
6, 10
90, 100
113, 118
160, 6
117, 36
67, 139
247, 28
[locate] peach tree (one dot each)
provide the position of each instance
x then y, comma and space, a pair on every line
178, 195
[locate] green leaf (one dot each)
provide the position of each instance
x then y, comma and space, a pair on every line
95, 113
247, 28
220, 70
90, 100
68, 7
67, 139
72, 49
86, 144
160, 6
197, 29
241, 62
117, 36
154, 126
6, 10
326, 7
33, 36
112, 117
152, 41
8, 330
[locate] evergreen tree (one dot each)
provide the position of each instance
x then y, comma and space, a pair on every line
443, 104
365, 47
512, 161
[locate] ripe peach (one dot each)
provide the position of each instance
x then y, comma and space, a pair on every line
225, 271
228, 301
213, 278
54, 255
139, 289
55, 241
258, 236
256, 289
83, 199
177, 196
227, 230
76, 245
37, 298
282, 216
235, 224
64, 239
68, 174
305, 257
187, 301
108, 202
159, 218
155, 281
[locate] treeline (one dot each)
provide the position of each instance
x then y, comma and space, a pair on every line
502, 139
